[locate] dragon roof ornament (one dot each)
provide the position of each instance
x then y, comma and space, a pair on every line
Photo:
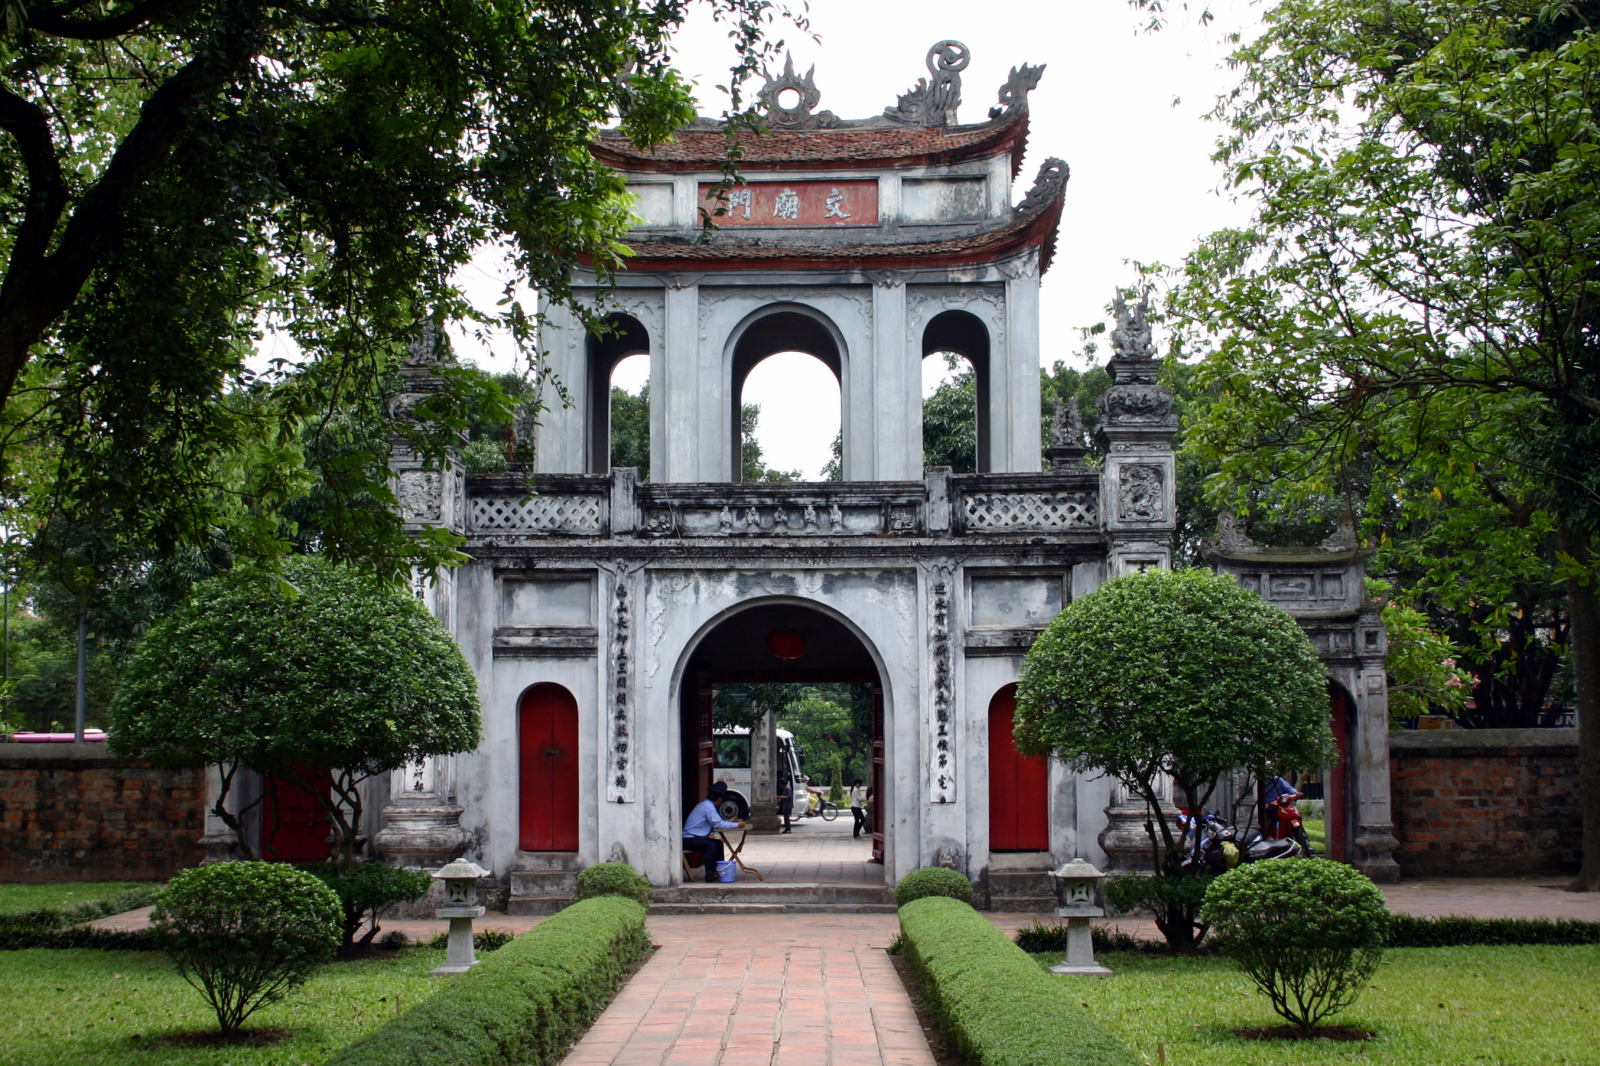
934, 99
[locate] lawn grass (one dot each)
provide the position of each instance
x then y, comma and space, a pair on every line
19, 898
1511, 1006
1317, 833
117, 1008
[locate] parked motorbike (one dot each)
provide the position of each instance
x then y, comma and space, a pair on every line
1283, 821
1212, 843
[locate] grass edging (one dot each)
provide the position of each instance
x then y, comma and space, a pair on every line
66, 927
995, 1003
526, 1003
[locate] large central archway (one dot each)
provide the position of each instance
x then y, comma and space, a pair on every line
786, 645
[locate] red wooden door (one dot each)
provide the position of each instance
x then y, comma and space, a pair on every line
1336, 794
294, 824
1019, 810
547, 732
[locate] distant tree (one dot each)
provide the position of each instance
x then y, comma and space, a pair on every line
323, 666
630, 429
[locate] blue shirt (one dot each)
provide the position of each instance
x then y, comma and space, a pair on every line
703, 819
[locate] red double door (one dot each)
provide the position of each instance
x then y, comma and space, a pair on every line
1019, 807
547, 737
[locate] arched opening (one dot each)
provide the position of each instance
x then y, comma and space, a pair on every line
1019, 805
766, 695
622, 337
547, 746
949, 412
963, 334
793, 389
630, 414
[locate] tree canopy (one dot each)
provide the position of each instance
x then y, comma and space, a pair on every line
178, 177
1178, 674
322, 666
1409, 324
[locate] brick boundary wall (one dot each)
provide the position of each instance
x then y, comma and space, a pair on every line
73, 812
1485, 802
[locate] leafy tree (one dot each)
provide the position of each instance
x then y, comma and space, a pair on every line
324, 666
177, 176
950, 421
1414, 298
630, 429
1177, 675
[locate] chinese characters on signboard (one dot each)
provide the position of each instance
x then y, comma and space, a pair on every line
798, 203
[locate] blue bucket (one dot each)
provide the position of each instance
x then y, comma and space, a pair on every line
727, 870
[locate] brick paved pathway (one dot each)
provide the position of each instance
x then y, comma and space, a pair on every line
763, 990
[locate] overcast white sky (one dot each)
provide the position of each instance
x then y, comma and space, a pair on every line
1123, 107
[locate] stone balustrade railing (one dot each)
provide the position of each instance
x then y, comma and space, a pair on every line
941, 505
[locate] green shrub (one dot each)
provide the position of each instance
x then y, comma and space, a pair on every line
613, 879
367, 890
1309, 933
932, 881
1411, 931
1173, 899
245, 934
526, 1003
997, 1005
483, 941
1041, 938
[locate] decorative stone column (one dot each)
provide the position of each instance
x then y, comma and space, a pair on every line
1138, 490
422, 821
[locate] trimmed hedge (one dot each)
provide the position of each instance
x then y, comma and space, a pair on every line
994, 1002
1405, 931
1452, 931
613, 879
932, 881
523, 1005
63, 927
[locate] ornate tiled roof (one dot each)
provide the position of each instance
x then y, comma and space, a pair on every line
1032, 223
855, 146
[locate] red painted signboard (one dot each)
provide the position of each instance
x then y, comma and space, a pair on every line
797, 203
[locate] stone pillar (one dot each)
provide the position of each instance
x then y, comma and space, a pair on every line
219, 841
763, 778
688, 425
1375, 842
421, 822
885, 419
1138, 491
1014, 375
561, 436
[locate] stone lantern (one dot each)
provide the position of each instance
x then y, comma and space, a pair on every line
460, 906
1077, 885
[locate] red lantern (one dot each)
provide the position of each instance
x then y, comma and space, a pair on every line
786, 644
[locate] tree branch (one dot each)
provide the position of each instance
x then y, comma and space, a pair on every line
57, 24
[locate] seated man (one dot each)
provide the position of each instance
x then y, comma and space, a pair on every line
702, 823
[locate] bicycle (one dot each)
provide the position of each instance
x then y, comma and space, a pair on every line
827, 810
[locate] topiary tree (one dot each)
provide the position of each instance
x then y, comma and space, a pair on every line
836, 778
1309, 932
317, 664
246, 934
932, 881
1180, 675
613, 879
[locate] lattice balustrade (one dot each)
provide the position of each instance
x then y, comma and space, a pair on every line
537, 514
1014, 511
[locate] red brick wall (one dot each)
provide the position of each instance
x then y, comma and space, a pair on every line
71, 812
1485, 802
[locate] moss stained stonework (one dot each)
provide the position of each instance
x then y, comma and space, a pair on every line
71, 812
